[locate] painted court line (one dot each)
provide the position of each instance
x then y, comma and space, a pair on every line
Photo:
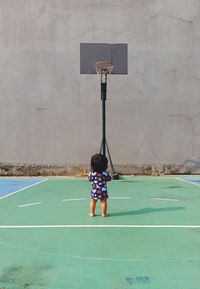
28, 205
23, 189
70, 200
110, 259
162, 199
121, 198
101, 226
82, 199
186, 181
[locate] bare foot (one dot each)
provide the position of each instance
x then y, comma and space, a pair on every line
105, 215
91, 215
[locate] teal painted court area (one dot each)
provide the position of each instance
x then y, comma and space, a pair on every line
150, 240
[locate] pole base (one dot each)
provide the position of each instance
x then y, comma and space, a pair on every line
115, 176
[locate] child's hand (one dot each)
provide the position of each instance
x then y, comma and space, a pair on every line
107, 176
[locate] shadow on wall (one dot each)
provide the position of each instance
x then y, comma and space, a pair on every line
147, 211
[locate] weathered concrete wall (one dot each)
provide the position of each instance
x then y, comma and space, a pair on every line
51, 115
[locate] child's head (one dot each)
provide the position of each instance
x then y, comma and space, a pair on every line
99, 163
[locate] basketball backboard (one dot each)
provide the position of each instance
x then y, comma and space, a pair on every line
91, 53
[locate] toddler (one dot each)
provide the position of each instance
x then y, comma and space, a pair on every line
99, 176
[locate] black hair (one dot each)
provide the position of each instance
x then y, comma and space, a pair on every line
99, 163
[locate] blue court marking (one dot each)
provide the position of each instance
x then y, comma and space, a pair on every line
8, 186
194, 180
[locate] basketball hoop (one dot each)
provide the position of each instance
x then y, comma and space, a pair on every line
103, 67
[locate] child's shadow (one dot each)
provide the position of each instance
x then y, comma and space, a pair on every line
147, 211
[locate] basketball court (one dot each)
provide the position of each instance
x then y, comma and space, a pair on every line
150, 239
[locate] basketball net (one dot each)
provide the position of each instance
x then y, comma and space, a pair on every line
103, 68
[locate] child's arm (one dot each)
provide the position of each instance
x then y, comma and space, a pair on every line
108, 177
91, 176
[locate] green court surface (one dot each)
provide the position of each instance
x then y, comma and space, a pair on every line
151, 239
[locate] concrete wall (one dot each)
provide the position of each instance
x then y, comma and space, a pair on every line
51, 115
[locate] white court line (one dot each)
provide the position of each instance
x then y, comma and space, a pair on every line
162, 199
82, 199
101, 226
190, 182
125, 198
28, 205
69, 200
23, 189
110, 259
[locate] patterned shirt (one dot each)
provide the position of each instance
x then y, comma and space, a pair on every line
99, 188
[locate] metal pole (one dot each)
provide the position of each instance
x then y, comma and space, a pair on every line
104, 144
103, 98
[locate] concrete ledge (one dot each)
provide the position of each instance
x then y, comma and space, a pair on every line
7, 169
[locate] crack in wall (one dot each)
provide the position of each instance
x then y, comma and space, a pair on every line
190, 119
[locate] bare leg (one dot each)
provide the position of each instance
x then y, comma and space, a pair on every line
92, 207
104, 207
